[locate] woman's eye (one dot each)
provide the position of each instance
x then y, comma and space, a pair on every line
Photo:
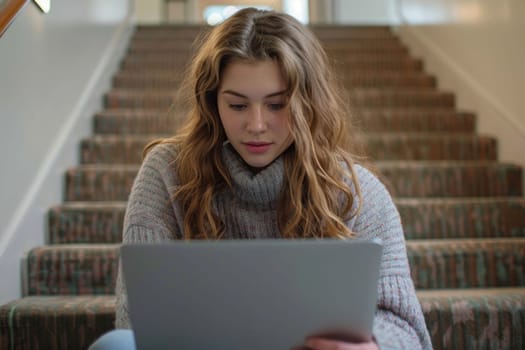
276, 106
237, 107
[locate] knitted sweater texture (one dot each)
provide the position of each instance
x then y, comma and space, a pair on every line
249, 211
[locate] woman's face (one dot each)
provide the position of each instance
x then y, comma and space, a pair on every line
254, 112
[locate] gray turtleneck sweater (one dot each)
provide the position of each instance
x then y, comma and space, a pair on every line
249, 211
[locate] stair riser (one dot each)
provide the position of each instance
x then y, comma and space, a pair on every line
387, 148
434, 100
341, 52
346, 53
453, 323
112, 185
389, 121
157, 101
477, 323
72, 272
85, 226
421, 220
465, 267
463, 220
158, 122
164, 100
370, 81
129, 81
70, 325
92, 271
401, 148
460, 181
348, 31
347, 66
343, 44
325, 35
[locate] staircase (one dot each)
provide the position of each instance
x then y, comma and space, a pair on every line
463, 210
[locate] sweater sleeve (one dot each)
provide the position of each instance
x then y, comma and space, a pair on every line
399, 322
150, 216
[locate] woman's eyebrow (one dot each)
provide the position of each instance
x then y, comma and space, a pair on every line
238, 94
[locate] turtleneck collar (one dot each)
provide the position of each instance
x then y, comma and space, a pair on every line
261, 188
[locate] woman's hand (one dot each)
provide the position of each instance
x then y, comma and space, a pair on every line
328, 344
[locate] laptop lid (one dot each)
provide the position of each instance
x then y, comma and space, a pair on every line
250, 294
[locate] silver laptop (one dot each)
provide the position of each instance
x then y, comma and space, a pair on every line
250, 294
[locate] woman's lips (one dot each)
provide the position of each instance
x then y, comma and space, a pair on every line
257, 147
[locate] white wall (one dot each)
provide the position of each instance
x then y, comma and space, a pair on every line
364, 12
149, 11
477, 50
53, 71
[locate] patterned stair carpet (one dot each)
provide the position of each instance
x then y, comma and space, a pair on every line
463, 211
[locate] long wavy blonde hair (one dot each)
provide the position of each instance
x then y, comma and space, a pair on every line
316, 198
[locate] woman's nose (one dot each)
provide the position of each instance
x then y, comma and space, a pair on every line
256, 122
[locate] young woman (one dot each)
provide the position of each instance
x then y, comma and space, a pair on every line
267, 152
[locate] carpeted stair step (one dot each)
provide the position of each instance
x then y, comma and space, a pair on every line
114, 149
376, 97
467, 263
175, 45
386, 146
360, 97
451, 178
134, 122
422, 218
414, 120
146, 64
327, 32
446, 218
86, 222
337, 52
165, 79
179, 44
400, 65
320, 30
142, 63
147, 80
431, 146
343, 53
156, 121
71, 269
467, 319
55, 322
169, 30
157, 99
461, 319
98, 182
388, 79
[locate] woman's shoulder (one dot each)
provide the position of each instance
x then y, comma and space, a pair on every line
371, 185
161, 154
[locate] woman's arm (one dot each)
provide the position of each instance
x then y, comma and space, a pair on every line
151, 216
399, 321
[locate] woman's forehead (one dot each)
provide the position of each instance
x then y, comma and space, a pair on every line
253, 78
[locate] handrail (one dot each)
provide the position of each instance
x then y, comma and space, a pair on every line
8, 12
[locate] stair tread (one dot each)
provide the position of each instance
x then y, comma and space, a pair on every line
464, 293
456, 242
465, 242
53, 302
386, 134
94, 205
399, 201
